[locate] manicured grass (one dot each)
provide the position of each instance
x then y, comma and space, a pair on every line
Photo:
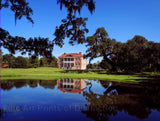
55, 73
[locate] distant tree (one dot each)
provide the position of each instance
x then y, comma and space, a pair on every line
9, 59
94, 65
152, 57
49, 62
20, 62
34, 62
43, 62
54, 62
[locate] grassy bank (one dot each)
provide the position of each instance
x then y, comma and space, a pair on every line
55, 73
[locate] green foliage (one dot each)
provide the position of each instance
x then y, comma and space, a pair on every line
94, 66
100, 45
32, 62
20, 62
8, 59
137, 54
73, 27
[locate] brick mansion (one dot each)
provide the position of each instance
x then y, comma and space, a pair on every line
72, 61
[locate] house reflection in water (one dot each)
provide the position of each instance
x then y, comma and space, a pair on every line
72, 85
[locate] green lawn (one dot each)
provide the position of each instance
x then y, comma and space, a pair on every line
55, 73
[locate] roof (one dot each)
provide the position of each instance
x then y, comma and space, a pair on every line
71, 54
4, 65
72, 91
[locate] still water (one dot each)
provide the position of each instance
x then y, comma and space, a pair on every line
79, 100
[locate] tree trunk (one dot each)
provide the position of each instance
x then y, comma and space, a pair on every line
114, 67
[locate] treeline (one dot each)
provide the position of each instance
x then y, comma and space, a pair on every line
137, 54
25, 62
94, 65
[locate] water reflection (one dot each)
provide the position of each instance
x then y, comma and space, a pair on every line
72, 85
135, 100
9, 84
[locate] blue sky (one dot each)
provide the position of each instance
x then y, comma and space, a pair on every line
122, 19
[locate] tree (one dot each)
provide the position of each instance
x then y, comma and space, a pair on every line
48, 62
54, 62
34, 62
152, 53
20, 62
9, 59
100, 45
43, 62
32, 46
72, 27
137, 54
94, 65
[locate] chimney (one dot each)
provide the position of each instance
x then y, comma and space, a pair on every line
80, 53
64, 53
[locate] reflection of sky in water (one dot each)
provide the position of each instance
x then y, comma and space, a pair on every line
49, 103
34, 95
96, 87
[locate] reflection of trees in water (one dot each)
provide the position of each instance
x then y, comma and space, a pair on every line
136, 100
9, 84
48, 83
2, 114
101, 106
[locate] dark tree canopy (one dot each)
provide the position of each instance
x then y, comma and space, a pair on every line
137, 54
74, 6
32, 46
100, 45
73, 27
19, 7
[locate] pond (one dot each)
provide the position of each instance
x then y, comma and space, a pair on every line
79, 99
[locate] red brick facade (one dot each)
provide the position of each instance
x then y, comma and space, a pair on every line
72, 61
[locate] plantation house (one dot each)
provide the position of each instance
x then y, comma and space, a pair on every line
72, 85
72, 61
